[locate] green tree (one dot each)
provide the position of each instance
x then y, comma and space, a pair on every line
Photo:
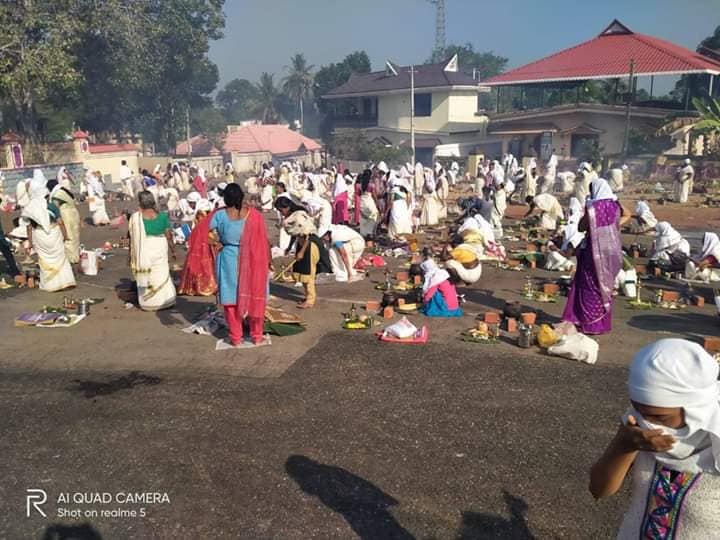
268, 98
298, 83
37, 59
334, 75
691, 86
210, 122
237, 100
482, 64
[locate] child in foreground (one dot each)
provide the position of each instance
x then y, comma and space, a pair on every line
670, 437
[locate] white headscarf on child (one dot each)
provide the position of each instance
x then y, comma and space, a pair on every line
679, 373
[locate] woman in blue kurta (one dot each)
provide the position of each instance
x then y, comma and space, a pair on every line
242, 264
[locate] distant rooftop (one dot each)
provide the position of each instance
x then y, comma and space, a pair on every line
276, 139
608, 56
397, 78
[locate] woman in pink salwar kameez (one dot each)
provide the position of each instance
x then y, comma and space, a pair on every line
599, 259
341, 215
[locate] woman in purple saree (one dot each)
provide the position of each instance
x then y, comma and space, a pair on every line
599, 259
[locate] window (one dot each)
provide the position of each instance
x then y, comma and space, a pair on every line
423, 104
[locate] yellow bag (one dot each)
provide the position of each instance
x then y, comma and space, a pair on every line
463, 256
472, 236
547, 337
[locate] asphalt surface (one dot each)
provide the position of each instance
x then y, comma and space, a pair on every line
328, 434
355, 440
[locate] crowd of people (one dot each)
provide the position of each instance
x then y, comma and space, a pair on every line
668, 442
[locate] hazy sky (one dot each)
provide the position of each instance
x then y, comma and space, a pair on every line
261, 35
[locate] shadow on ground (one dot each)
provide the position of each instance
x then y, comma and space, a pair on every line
71, 532
364, 506
92, 389
492, 527
693, 325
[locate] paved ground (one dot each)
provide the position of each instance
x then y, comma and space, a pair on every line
329, 434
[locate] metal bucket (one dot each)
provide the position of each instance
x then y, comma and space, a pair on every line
526, 337
83, 307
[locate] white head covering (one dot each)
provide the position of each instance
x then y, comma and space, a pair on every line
193, 197
624, 167
666, 237
575, 209
600, 191
60, 174
679, 373
687, 161
641, 207
157, 168
584, 167
201, 174
383, 167
204, 205
404, 172
532, 163
433, 275
340, 185
222, 185
711, 246
38, 185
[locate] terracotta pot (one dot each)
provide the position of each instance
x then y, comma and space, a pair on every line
528, 318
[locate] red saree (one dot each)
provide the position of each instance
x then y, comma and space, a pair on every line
198, 275
253, 267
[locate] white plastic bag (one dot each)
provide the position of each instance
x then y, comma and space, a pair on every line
576, 347
402, 329
88, 263
629, 283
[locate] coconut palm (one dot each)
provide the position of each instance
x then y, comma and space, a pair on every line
266, 105
298, 82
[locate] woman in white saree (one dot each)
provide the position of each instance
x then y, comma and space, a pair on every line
46, 235
400, 222
65, 201
150, 237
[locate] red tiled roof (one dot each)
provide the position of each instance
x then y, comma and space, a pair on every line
200, 147
274, 138
608, 56
109, 148
79, 134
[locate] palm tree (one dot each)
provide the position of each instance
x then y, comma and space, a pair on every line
267, 99
298, 82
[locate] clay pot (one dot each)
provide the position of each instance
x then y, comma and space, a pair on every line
528, 318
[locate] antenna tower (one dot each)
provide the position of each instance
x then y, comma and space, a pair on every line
439, 24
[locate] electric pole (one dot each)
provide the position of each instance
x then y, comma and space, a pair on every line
439, 24
412, 112
631, 95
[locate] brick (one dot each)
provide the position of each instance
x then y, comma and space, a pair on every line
402, 276
372, 305
670, 296
388, 312
712, 344
491, 317
551, 288
528, 318
511, 324
657, 271
401, 302
513, 263
698, 301
418, 280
